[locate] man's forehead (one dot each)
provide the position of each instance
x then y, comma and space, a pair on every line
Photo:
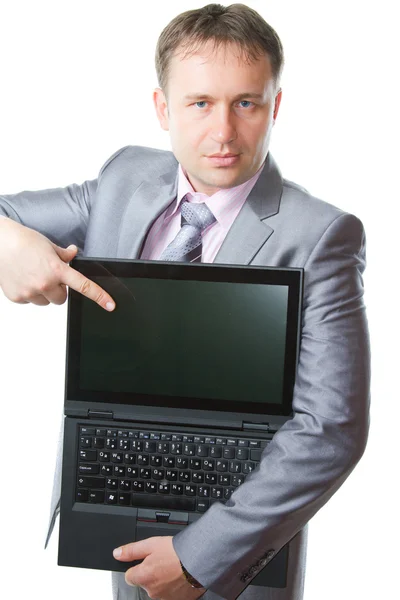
211, 51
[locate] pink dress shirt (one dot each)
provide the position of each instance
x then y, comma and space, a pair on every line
224, 204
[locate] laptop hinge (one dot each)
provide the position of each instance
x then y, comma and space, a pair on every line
259, 427
100, 414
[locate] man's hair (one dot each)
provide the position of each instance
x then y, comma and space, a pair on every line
235, 24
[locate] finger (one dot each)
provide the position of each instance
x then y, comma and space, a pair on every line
39, 300
86, 287
66, 254
133, 551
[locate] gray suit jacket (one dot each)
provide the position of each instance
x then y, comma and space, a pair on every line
280, 224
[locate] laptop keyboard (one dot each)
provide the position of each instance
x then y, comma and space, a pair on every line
164, 470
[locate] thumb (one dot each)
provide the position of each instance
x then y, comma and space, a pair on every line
134, 550
66, 254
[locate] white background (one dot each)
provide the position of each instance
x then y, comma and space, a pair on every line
76, 85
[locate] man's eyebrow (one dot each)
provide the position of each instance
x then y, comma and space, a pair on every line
195, 97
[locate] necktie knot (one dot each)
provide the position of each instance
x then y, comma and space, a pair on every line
198, 215
187, 246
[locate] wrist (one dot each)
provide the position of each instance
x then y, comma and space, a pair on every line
191, 580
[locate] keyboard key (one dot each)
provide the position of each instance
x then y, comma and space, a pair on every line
255, 454
235, 466
132, 472
98, 442
195, 463
101, 432
224, 480
202, 505
254, 444
88, 431
103, 456
210, 478
222, 466
243, 443
106, 470
215, 451
202, 450
231, 442
117, 457
203, 491
229, 452
111, 444
189, 449
125, 485
171, 475
182, 463
209, 464
88, 455
129, 459
96, 497
137, 445
91, 482
237, 480
149, 446
89, 469
242, 453
248, 467
124, 499
119, 471
217, 492
111, 498
197, 477
155, 461
150, 487
81, 495
85, 442
176, 447
190, 490
164, 488
111, 483
177, 489
137, 486
158, 473
143, 459
169, 461
124, 444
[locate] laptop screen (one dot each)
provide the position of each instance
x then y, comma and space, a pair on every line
186, 336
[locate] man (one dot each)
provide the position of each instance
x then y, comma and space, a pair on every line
219, 71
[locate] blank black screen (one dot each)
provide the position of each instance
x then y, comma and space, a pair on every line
193, 339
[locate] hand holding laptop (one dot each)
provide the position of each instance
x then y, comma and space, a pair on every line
33, 269
160, 573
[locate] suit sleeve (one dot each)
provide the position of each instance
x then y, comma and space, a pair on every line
60, 214
315, 451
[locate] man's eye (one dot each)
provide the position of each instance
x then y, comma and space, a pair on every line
247, 102
200, 102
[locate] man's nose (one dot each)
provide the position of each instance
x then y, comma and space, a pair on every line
223, 128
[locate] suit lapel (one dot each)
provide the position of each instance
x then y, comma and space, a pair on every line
148, 201
248, 232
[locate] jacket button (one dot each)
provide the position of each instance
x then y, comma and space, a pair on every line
263, 562
270, 554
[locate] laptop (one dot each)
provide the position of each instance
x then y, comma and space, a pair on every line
171, 398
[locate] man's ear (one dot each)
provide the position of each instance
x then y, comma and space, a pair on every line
278, 99
160, 104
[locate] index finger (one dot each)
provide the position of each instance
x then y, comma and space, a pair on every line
88, 288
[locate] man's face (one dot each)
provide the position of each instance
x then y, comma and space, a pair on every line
218, 104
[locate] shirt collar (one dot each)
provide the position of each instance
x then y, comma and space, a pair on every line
219, 202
